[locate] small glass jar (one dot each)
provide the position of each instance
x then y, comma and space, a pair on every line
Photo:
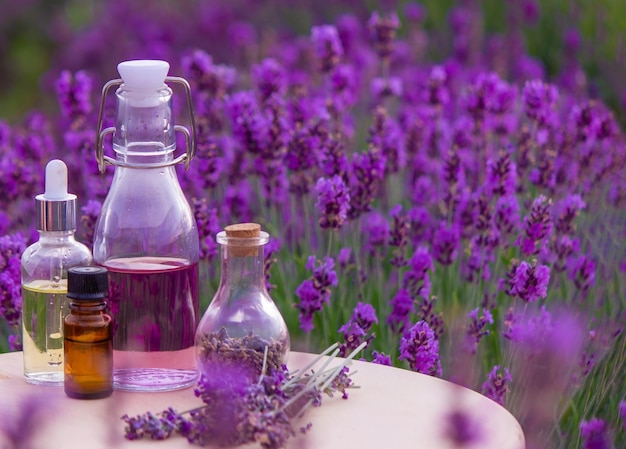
88, 334
242, 326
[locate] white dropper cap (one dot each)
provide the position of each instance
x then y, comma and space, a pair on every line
142, 78
56, 209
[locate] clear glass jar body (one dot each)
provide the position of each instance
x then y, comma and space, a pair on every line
242, 323
146, 237
44, 304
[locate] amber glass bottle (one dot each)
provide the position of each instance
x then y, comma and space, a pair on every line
88, 348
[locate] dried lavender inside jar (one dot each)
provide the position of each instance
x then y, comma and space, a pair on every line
245, 353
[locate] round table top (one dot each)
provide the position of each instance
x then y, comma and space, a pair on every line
393, 408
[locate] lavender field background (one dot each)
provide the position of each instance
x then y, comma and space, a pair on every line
445, 180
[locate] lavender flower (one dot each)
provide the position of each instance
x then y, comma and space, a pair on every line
537, 227
271, 249
582, 271
208, 227
622, 413
380, 358
328, 48
333, 202
383, 32
446, 241
355, 331
566, 211
506, 215
343, 257
74, 95
367, 174
269, 78
595, 434
250, 127
501, 176
315, 291
497, 385
402, 305
399, 235
91, 212
528, 281
381, 88
420, 349
416, 280
376, 231
539, 101
477, 328
462, 428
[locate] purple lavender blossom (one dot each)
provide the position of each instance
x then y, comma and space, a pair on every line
250, 127
435, 91
271, 249
446, 240
367, 174
343, 83
375, 227
537, 227
402, 305
497, 385
622, 413
90, 214
74, 95
208, 227
356, 329
582, 271
383, 33
269, 78
380, 358
595, 434
344, 257
15, 343
328, 48
539, 101
506, 215
381, 88
565, 212
399, 235
420, 349
501, 175
386, 138
206, 78
333, 202
462, 428
315, 291
416, 280
528, 281
477, 329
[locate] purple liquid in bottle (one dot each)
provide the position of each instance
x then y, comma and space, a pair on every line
154, 304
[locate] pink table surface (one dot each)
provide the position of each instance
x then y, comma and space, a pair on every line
392, 409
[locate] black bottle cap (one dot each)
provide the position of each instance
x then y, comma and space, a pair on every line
87, 283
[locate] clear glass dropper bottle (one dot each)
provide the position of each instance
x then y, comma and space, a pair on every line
44, 278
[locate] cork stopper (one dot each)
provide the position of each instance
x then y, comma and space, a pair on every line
243, 230
243, 239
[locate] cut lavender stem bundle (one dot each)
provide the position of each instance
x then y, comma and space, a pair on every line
237, 411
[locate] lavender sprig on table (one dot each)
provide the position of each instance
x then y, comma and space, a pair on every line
238, 411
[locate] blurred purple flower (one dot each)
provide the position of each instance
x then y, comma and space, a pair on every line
271, 249
501, 176
74, 96
420, 348
402, 305
539, 101
399, 235
206, 78
435, 91
582, 271
90, 214
595, 434
208, 227
249, 126
375, 227
462, 428
497, 385
537, 227
506, 215
343, 87
380, 358
333, 202
622, 413
477, 328
327, 46
381, 88
414, 11
383, 32
367, 173
565, 212
15, 343
416, 280
446, 240
344, 256
269, 78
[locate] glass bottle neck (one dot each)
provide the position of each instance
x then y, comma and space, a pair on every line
82, 307
243, 270
57, 236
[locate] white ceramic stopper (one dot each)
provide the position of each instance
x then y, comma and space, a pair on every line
143, 74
